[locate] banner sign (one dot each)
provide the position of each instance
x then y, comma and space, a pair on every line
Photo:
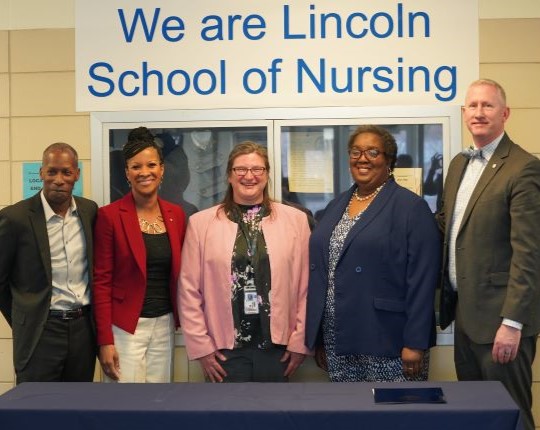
180, 54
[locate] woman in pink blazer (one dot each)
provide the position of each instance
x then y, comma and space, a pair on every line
243, 283
137, 250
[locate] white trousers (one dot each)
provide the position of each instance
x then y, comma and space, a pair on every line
147, 354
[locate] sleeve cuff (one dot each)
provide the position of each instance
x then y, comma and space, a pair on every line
512, 323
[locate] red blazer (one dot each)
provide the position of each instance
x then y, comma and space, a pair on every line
120, 264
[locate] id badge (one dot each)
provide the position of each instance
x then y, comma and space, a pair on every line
251, 303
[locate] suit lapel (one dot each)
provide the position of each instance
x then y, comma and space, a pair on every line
451, 187
370, 213
132, 230
493, 166
334, 214
173, 233
87, 230
39, 226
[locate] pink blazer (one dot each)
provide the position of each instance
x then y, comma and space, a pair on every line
120, 264
204, 293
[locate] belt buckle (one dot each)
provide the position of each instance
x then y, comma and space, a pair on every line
68, 314
71, 314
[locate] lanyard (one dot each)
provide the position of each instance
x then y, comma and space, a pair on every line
251, 237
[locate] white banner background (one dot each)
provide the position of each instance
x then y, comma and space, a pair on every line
273, 54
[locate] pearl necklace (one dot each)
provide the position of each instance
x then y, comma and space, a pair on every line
369, 196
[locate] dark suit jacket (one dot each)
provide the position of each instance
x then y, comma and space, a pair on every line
25, 270
385, 279
120, 264
497, 247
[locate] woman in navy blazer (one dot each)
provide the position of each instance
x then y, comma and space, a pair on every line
374, 265
137, 249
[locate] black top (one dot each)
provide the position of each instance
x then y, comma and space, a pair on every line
157, 301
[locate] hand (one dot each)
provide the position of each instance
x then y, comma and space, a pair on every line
412, 361
295, 359
110, 363
320, 358
212, 368
436, 162
506, 344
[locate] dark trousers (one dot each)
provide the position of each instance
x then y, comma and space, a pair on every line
66, 351
251, 364
474, 363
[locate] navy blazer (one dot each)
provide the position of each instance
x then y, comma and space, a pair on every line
385, 278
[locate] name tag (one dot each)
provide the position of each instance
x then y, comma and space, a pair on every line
251, 303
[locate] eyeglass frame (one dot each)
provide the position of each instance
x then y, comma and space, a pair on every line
365, 152
249, 169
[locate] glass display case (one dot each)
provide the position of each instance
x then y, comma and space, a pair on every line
307, 150
195, 162
315, 162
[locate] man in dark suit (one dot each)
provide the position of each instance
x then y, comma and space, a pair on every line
46, 273
491, 260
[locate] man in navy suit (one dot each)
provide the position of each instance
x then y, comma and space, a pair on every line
46, 273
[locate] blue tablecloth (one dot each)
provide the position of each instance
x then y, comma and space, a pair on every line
251, 406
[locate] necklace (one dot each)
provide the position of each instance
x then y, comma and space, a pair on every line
369, 196
153, 227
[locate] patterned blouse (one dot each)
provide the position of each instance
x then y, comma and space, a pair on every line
250, 279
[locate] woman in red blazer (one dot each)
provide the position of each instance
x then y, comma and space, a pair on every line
137, 250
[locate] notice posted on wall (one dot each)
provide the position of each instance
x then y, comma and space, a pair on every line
310, 163
410, 178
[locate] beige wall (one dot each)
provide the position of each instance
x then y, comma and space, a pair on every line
37, 107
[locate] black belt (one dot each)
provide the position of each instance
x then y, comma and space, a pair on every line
69, 314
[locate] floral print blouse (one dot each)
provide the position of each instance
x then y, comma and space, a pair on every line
250, 280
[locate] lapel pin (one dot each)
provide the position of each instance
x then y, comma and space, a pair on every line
493, 165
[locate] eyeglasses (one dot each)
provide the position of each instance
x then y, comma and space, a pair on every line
370, 154
255, 171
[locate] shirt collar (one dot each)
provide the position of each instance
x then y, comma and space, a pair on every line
49, 213
489, 149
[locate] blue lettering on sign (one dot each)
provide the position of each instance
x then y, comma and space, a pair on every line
216, 28
260, 78
356, 25
300, 22
172, 28
94, 74
324, 78
155, 82
122, 85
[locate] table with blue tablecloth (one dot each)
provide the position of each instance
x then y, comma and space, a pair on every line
253, 406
